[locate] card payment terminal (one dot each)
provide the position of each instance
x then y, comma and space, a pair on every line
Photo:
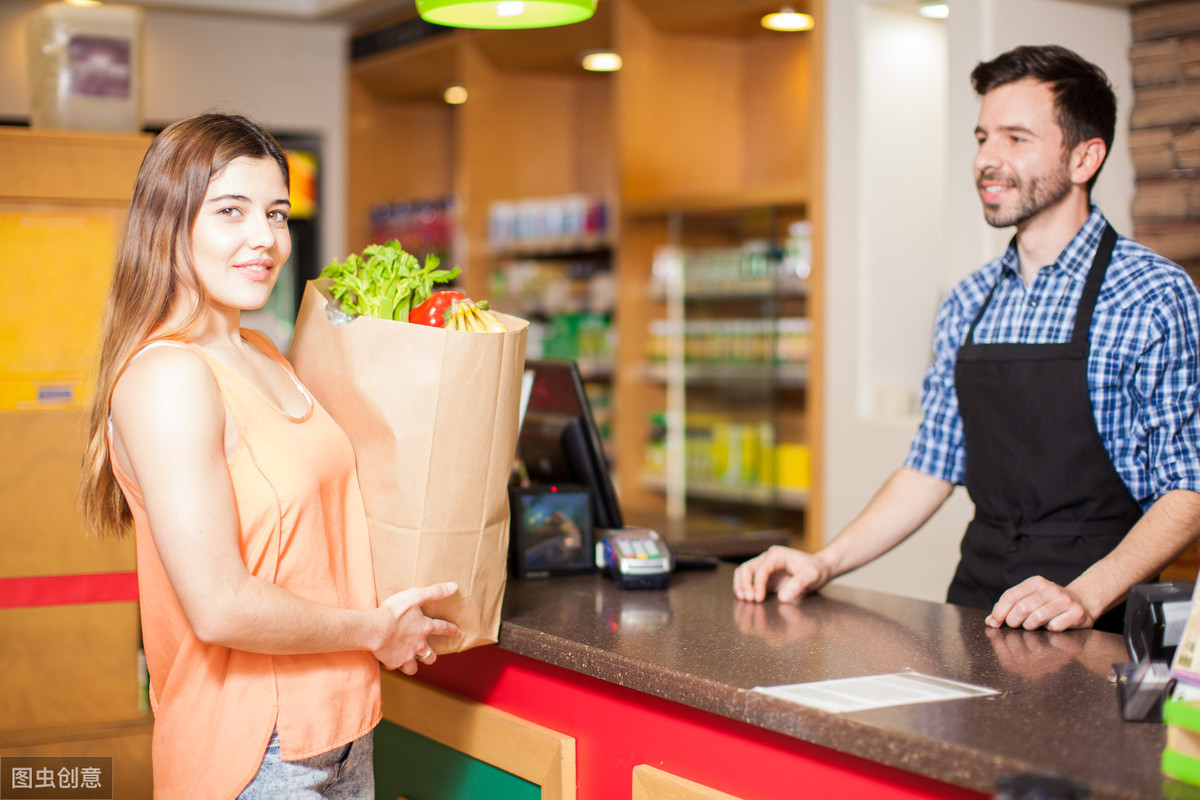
636, 558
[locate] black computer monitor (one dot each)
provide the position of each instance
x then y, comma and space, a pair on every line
558, 441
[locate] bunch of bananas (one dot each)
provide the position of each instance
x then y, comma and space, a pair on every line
467, 315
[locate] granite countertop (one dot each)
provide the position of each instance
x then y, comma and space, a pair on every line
696, 644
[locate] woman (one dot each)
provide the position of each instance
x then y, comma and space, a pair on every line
262, 635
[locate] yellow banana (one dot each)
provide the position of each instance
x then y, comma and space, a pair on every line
466, 315
474, 324
491, 323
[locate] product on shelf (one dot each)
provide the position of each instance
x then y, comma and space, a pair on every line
751, 268
569, 303
720, 451
551, 221
422, 225
783, 342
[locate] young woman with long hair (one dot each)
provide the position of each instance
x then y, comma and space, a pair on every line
262, 634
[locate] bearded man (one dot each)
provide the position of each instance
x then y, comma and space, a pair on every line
1064, 386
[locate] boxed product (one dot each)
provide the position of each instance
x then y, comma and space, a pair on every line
85, 67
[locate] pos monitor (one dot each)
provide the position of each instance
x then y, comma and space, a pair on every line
558, 441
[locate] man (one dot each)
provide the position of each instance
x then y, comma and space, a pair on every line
1064, 387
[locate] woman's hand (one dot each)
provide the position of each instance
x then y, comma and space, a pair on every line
405, 636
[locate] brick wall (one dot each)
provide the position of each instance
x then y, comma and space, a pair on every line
1164, 139
1164, 134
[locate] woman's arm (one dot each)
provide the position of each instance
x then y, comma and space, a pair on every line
169, 424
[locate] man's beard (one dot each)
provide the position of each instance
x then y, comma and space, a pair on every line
1040, 193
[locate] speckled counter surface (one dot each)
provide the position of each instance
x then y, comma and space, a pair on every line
696, 644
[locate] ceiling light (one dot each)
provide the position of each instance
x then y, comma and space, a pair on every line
934, 9
600, 61
505, 13
455, 95
785, 19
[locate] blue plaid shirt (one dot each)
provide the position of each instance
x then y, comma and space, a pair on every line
1143, 369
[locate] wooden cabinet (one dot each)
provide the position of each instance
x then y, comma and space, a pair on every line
711, 118
68, 616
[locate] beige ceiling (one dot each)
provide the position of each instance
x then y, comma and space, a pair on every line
360, 11
353, 11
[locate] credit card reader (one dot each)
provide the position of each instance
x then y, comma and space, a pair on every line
636, 558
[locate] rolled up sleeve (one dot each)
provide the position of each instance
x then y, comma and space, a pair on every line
937, 448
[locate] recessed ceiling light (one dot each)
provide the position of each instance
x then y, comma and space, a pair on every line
786, 19
934, 9
600, 61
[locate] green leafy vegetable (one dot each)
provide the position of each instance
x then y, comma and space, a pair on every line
385, 281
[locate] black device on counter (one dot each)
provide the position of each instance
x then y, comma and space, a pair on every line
551, 531
636, 558
1156, 615
558, 441
560, 447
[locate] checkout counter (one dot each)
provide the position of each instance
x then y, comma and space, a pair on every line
648, 694
597, 693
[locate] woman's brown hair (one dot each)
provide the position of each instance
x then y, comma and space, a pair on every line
153, 261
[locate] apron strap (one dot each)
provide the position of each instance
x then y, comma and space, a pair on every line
1087, 301
1091, 289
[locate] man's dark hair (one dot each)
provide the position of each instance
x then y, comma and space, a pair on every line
1084, 104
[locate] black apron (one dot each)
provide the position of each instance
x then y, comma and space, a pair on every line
1048, 500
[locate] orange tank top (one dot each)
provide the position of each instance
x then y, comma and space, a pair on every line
302, 527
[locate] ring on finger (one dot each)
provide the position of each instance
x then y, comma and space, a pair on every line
426, 653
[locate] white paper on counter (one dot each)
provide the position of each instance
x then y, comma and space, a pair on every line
843, 695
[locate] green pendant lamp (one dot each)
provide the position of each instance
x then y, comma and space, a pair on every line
505, 13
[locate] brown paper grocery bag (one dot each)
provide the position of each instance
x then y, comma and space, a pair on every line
432, 414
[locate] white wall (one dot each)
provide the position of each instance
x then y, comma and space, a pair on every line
904, 224
288, 75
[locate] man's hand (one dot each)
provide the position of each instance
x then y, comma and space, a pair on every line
1034, 654
784, 570
1038, 603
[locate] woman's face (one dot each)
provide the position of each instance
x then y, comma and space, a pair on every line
240, 239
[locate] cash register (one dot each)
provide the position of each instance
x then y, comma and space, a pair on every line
560, 453
1156, 615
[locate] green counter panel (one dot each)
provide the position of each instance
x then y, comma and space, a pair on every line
411, 766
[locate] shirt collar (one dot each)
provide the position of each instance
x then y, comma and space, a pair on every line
1075, 259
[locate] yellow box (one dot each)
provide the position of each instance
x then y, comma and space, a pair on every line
795, 465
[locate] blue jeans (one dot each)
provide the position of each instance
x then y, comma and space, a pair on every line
344, 773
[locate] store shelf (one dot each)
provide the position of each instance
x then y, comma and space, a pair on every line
720, 203
782, 376
758, 495
554, 248
749, 289
703, 84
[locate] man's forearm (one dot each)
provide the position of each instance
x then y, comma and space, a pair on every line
1166, 530
902, 505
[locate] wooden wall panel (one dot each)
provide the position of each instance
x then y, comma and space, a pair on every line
679, 129
69, 165
128, 746
635, 398
43, 531
67, 668
777, 94
518, 133
69, 672
399, 149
